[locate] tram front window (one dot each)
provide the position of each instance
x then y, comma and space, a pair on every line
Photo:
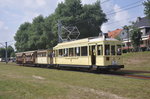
119, 50
107, 49
113, 50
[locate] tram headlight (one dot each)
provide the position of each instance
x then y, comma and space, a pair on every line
114, 62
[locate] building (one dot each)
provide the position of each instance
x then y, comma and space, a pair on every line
115, 33
144, 25
122, 35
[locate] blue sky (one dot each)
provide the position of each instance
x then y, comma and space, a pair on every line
15, 12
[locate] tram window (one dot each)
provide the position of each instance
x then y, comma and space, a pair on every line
84, 51
43, 54
38, 55
63, 52
99, 50
113, 50
60, 52
71, 52
118, 49
107, 49
77, 51
66, 52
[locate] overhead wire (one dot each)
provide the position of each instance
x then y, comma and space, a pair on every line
124, 9
131, 4
128, 7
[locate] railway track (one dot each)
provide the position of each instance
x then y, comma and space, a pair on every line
130, 74
121, 73
138, 76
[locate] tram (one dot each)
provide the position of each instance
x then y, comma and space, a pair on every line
92, 53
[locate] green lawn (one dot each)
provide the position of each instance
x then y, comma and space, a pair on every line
18, 82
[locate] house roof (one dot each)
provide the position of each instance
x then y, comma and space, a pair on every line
114, 33
142, 22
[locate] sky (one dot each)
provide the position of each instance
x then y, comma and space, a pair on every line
15, 12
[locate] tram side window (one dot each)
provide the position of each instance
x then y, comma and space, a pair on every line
99, 50
84, 51
63, 52
44, 54
77, 51
113, 50
71, 53
119, 50
60, 52
66, 52
107, 49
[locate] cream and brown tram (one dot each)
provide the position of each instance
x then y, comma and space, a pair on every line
93, 53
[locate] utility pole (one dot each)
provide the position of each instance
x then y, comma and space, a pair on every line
59, 31
6, 53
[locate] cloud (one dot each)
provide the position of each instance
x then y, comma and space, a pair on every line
120, 16
41, 2
88, 1
2, 26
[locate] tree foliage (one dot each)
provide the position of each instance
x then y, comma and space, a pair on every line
147, 8
134, 34
136, 38
2, 52
10, 52
42, 32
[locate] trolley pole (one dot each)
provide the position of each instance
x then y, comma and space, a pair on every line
6, 53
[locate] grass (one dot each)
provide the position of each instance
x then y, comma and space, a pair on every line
18, 82
137, 61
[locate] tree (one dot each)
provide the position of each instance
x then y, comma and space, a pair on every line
35, 38
22, 37
147, 8
42, 32
136, 38
92, 18
2, 52
88, 18
10, 50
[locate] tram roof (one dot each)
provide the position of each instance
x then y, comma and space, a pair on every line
91, 39
86, 40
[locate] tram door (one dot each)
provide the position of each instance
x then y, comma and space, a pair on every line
93, 54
